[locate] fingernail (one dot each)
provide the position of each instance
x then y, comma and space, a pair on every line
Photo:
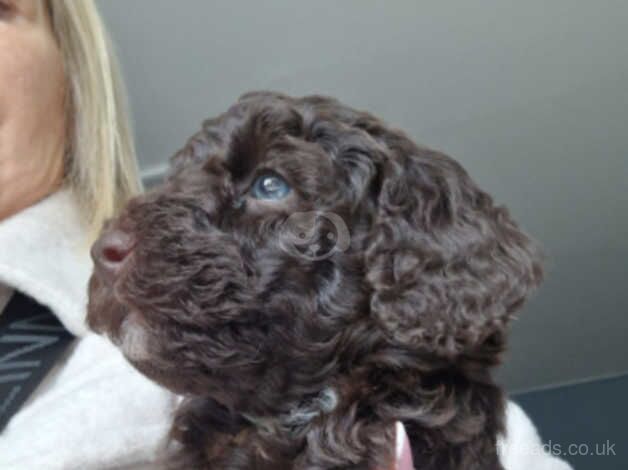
401, 438
403, 452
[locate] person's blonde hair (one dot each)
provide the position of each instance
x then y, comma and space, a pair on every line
100, 157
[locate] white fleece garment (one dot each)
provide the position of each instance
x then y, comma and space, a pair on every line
93, 410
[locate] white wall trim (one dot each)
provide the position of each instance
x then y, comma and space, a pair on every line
153, 174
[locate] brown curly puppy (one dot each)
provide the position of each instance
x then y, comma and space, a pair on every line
306, 277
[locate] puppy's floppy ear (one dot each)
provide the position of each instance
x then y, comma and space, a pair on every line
446, 267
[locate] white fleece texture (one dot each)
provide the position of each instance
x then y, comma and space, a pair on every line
93, 410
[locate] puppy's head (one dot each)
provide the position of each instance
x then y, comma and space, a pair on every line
296, 241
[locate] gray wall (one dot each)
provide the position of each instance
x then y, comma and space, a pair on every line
532, 97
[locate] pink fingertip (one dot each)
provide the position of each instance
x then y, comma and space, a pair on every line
402, 449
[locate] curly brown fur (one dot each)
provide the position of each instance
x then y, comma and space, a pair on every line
295, 362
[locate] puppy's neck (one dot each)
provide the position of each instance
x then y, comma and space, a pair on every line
299, 416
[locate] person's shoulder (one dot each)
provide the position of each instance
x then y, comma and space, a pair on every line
49, 257
521, 448
95, 402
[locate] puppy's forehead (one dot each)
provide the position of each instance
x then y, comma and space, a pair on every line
288, 135
274, 137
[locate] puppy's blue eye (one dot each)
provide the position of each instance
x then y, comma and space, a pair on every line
270, 186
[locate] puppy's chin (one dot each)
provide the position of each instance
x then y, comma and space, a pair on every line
123, 326
133, 339
139, 347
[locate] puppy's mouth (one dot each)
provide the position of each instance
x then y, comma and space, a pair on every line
105, 313
122, 323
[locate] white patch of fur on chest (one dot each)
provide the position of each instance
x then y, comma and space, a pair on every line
302, 414
299, 416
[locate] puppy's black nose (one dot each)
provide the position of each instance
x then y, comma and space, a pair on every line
110, 252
